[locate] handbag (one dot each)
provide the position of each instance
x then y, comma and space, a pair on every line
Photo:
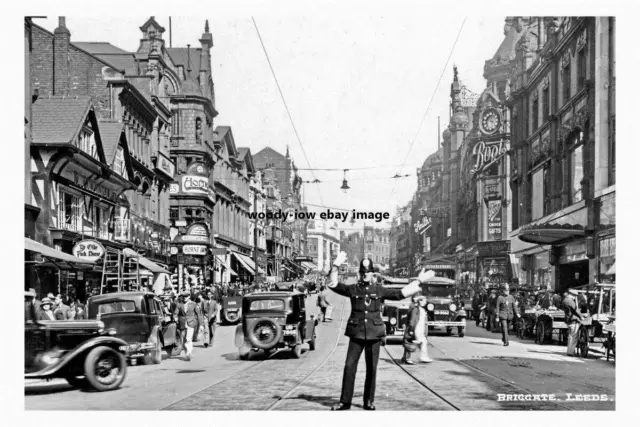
409, 345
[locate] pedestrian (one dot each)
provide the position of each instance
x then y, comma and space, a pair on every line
31, 304
60, 309
506, 310
323, 303
211, 308
72, 311
45, 310
491, 310
198, 299
417, 330
556, 299
189, 315
81, 313
573, 318
365, 326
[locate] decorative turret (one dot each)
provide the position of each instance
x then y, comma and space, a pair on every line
206, 41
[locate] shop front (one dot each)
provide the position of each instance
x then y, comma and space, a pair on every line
493, 263
192, 255
573, 266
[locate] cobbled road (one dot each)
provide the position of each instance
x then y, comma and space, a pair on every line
468, 373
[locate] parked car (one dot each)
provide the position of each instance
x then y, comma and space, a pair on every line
80, 351
139, 319
273, 320
231, 311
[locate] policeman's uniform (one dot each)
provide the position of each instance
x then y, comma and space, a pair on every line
366, 329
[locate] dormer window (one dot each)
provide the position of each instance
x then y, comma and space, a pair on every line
87, 143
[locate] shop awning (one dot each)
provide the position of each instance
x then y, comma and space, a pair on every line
225, 265
250, 263
243, 263
551, 234
295, 265
55, 255
612, 270
145, 262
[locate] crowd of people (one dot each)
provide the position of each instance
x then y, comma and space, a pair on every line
53, 307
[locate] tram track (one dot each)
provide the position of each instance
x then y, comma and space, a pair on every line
280, 399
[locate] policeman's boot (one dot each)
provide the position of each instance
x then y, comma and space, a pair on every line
341, 407
368, 405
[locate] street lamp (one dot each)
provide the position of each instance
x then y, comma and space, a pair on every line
345, 186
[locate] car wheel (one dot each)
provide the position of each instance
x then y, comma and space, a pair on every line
461, 332
155, 356
265, 333
297, 351
105, 368
312, 343
76, 381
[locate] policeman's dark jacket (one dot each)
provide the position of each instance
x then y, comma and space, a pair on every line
365, 321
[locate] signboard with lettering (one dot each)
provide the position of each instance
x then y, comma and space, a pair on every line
492, 189
422, 226
194, 250
174, 188
89, 250
197, 230
487, 153
494, 219
493, 248
440, 266
166, 166
195, 184
438, 211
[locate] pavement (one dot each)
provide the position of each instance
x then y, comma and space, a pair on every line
475, 372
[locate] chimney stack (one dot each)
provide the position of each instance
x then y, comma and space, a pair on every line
61, 42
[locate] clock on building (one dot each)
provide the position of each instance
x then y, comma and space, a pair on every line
490, 121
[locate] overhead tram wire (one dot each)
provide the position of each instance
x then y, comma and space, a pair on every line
444, 69
295, 130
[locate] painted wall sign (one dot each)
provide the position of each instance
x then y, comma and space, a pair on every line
89, 250
194, 250
494, 219
195, 184
487, 153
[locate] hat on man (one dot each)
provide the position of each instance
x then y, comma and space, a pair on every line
30, 293
185, 293
366, 266
573, 292
46, 301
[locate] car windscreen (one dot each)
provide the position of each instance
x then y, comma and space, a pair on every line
439, 291
114, 307
267, 304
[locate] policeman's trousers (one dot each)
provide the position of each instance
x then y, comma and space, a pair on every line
371, 354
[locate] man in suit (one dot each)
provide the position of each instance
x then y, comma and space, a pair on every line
323, 303
572, 317
210, 315
60, 310
189, 316
365, 326
31, 304
491, 310
506, 310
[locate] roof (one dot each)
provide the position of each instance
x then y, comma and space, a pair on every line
180, 56
110, 134
58, 119
220, 132
242, 151
190, 86
98, 48
117, 295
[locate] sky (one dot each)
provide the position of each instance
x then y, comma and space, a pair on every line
357, 86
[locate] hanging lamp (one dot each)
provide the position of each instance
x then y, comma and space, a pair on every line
345, 186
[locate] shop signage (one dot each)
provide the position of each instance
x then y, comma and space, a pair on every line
174, 188
492, 189
191, 260
438, 211
180, 223
422, 226
188, 238
166, 165
608, 246
487, 153
89, 250
494, 220
195, 184
197, 230
194, 250
440, 266
495, 270
174, 250
493, 248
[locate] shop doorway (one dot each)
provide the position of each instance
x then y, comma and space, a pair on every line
573, 275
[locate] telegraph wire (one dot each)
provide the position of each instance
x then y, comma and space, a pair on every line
295, 130
431, 100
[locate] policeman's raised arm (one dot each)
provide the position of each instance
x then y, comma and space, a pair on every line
333, 284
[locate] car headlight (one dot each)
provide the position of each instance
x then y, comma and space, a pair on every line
393, 321
430, 307
452, 307
112, 331
100, 327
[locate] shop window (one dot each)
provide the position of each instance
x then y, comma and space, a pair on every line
69, 214
118, 163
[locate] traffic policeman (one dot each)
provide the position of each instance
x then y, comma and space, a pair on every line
365, 326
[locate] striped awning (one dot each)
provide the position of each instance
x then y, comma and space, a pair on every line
225, 265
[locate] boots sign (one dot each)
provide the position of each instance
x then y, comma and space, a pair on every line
488, 153
89, 250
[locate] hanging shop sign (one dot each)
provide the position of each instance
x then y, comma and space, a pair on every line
89, 185
195, 184
492, 189
194, 250
493, 248
487, 153
211, 195
422, 226
166, 166
494, 219
89, 250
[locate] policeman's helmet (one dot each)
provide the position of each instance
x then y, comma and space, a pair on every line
366, 266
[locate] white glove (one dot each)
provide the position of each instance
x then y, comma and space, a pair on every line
411, 288
340, 259
426, 275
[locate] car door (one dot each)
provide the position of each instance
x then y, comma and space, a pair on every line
302, 316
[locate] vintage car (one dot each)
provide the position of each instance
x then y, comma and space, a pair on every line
80, 351
444, 309
273, 320
394, 313
231, 311
139, 319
